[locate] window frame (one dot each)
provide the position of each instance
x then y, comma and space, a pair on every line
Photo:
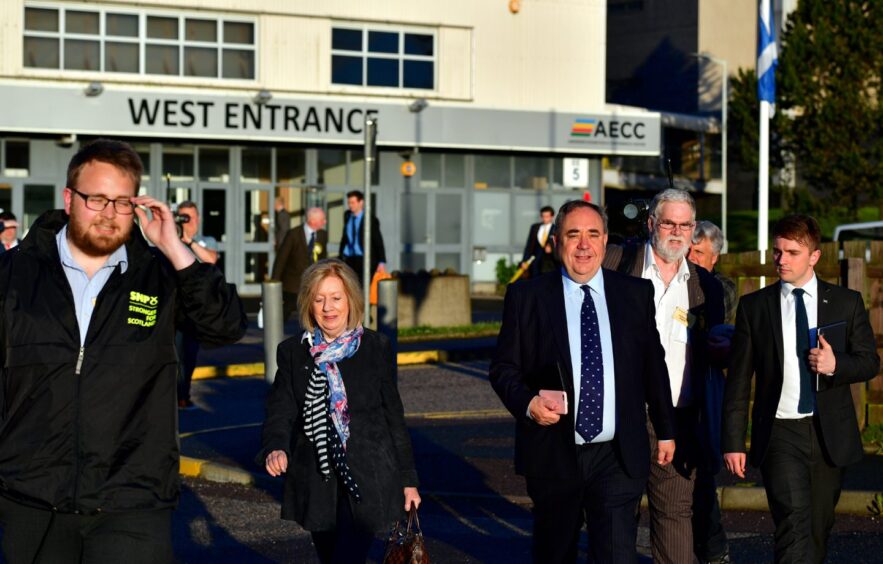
401, 57
220, 46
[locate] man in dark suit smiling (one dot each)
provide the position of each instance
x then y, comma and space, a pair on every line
590, 332
804, 429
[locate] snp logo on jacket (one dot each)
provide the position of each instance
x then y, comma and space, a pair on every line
142, 309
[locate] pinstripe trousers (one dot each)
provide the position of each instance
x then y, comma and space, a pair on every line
670, 492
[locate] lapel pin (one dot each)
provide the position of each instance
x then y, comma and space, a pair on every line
824, 301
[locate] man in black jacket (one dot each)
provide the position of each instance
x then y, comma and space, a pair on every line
88, 446
804, 430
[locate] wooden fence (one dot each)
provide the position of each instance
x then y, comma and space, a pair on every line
860, 268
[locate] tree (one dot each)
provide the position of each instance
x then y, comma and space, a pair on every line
829, 85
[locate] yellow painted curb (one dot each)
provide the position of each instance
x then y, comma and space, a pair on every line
229, 371
421, 357
190, 467
258, 369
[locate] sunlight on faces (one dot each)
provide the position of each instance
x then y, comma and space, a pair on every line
330, 307
581, 243
99, 233
702, 253
672, 245
794, 261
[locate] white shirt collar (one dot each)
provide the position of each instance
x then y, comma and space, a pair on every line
652, 269
571, 286
811, 288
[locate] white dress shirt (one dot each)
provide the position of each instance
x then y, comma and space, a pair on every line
543, 233
573, 303
672, 307
791, 369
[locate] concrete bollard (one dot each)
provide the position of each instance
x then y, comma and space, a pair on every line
387, 311
271, 296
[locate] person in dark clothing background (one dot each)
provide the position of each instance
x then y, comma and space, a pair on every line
352, 251
88, 440
539, 244
304, 245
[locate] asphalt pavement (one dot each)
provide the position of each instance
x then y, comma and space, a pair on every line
475, 507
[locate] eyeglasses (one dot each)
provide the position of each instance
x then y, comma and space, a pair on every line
122, 206
667, 225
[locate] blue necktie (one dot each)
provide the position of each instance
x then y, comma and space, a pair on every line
804, 404
590, 415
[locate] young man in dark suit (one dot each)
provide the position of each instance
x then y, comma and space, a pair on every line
539, 244
352, 250
804, 429
304, 245
591, 333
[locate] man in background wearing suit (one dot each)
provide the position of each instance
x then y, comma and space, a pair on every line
351, 242
804, 429
591, 333
539, 244
305, 244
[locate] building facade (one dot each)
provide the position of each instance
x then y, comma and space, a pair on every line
500, 106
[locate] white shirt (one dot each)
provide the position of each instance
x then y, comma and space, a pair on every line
573, 303
672, 307
543, 233
791, 369
308, 232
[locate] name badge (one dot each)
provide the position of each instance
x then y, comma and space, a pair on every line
681, 316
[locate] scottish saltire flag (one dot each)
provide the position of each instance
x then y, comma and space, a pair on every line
767, 56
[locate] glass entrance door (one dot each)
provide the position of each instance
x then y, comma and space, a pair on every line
431, 230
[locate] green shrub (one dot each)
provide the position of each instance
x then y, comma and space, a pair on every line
505, 271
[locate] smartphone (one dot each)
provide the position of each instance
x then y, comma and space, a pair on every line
557, 396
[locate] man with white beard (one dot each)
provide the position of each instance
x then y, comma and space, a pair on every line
689, 302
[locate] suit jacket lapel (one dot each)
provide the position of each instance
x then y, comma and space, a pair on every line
774, 310
553, 300
825, 313
616, 312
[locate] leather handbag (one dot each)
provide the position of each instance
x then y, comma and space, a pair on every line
405, 544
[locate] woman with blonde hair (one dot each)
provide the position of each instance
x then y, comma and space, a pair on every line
335, 423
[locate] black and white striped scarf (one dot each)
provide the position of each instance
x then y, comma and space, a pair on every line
317, 424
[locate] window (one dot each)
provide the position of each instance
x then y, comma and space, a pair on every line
383, 57
110, 40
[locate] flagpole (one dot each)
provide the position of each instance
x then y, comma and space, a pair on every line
766, 92
763, 173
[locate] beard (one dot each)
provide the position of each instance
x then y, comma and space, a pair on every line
92, 244
670, 254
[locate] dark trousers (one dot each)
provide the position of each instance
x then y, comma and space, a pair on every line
41, 536
347, 544
357, 264
802, 489
188, 350
604, 497
709, 537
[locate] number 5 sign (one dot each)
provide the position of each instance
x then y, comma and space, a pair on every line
576, 173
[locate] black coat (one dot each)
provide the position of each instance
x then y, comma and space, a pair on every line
533, 339
758, 350
94, 427
543, 261
378, 451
